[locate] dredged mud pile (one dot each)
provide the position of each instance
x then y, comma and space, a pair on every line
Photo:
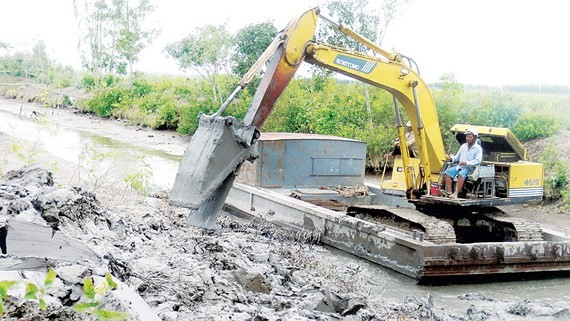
243, 271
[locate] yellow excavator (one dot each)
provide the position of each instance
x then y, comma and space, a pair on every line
222, 144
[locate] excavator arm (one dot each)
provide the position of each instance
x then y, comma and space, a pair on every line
403, 83
385, 71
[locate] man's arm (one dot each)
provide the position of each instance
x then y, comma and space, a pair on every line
455, 158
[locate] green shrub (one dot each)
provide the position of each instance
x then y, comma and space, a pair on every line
566, 199
167, 116
450, 101
62, 77
165, 108
493, 109
317, 105
555, 173
536, 125
151, 102
188, 122
141, 87
88, 81
82, 105
183, 91
107, 100
111, 80
239, 107
66, 101
547, 103
294, 111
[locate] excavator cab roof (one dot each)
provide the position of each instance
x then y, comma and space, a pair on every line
499, 144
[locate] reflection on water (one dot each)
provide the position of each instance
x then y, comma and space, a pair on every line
79, 147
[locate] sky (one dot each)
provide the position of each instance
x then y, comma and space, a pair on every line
483, 42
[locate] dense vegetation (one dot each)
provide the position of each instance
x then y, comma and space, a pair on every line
320, 105
328, 106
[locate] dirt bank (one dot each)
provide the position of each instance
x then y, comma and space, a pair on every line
245, 271
168, 141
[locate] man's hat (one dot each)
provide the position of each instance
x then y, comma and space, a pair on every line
471, 131
409, 124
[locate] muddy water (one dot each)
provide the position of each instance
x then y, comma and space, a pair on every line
91, 151
380, 283
498, 296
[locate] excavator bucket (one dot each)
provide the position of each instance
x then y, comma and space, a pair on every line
217, 149
222, 144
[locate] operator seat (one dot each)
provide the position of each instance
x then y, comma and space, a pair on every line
480, 183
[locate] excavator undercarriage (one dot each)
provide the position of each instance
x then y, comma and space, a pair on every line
454, 224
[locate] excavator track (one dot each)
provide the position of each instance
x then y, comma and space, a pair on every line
438, 231
525, 230
458, 225
467, 212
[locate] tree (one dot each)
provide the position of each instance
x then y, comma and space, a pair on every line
17, 64
207, 51
94, 46
129, 36
111, 33
389, 12
250, 42
35, 64
359, 15
40, 61
450, 101
362, 17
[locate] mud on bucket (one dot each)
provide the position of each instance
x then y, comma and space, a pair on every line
216, 150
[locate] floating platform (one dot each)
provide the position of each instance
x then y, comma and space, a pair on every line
386, 229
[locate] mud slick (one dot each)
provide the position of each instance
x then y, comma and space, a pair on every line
166, 270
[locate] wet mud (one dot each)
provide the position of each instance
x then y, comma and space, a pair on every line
244, 271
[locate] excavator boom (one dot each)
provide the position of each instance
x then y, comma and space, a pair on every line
398, 79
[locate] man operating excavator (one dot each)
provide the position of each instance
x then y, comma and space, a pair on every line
469, 156
411, 142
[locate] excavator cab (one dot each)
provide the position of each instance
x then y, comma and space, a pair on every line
504, 177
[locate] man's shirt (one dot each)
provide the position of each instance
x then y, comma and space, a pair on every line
472, 156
